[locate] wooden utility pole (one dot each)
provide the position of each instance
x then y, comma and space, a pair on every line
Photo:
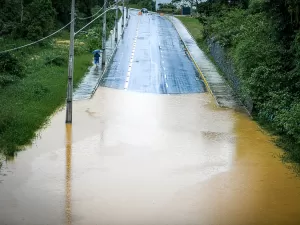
71, 66
104, 34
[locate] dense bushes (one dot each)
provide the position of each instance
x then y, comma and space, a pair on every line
10, 69
265, 55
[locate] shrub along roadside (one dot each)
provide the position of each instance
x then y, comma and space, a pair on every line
263, 66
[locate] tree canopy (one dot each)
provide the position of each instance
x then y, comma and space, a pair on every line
32, 19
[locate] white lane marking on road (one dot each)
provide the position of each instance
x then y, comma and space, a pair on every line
167, 85
165, 75
131, 58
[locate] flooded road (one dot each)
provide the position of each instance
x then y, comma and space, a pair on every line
133, 158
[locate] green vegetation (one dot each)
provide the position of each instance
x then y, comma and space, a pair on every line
194, 27
134, 6
168, 8
138, 4
26, 104
33, 80
262, 40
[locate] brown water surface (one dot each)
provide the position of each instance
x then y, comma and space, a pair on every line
133, 159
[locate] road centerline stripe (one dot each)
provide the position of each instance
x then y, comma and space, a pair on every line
131, 58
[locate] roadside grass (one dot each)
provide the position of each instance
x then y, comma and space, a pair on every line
168, 10
134, 6
193, 25
196, 30
26, 105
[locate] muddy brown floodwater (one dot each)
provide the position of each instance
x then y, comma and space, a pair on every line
132, 158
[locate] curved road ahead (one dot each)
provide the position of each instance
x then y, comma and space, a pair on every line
152, 59
133, 158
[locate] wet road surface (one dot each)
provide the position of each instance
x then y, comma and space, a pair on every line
151, 59
89, 83
137, 158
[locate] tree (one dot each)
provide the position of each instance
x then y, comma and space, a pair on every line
187, 2
39, 18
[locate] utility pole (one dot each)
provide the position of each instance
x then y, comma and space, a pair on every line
127, 10
71, 65
123, 15
104, 34
116, 20
22, 10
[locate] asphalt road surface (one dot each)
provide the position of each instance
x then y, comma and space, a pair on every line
152, 59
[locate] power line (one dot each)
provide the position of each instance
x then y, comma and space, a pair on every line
32, 43
93, 20
85, 18
50, 35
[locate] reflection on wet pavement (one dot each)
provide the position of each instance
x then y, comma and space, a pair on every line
68, 190
152, 59
132, 158
91, 80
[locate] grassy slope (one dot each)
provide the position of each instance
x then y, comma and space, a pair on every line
134, 6
193, 25
27, 103
195, 28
